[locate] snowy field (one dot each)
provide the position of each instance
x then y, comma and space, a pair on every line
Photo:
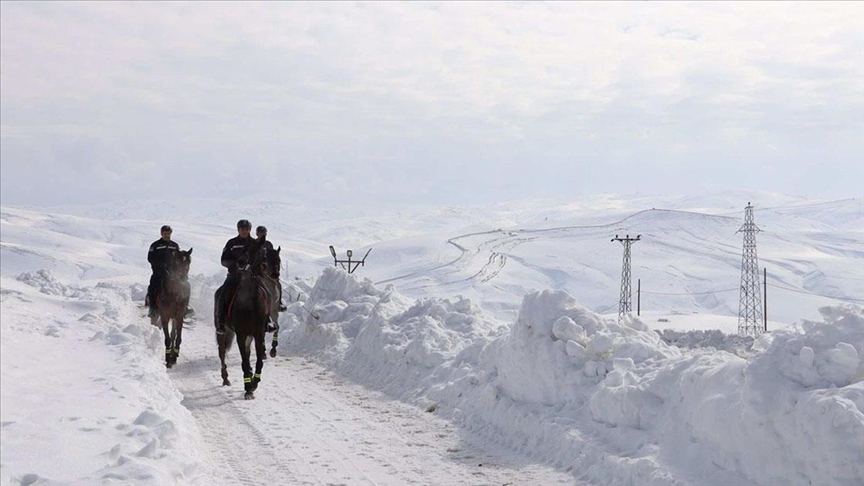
477, 346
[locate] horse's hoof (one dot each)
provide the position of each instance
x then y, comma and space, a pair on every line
273, 353
249, 396
225, 382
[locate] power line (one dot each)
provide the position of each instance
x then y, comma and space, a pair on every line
814, 293
800, 291
691, 293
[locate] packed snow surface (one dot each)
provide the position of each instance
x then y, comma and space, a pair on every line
608, 401
474, 352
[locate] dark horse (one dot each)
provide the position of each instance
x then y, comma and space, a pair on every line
247, 319
271, 282
171, 302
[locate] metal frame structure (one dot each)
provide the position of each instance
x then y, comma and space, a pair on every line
355, 263
751, 320
625, 302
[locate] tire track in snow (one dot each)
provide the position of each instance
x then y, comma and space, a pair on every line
498, 238
228, 430
308, 427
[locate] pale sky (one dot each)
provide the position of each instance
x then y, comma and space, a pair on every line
438, 103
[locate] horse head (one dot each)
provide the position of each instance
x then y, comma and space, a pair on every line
260, 264
275, 263
180, 264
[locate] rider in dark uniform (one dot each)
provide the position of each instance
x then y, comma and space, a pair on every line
160, 255
267, 246
237, 248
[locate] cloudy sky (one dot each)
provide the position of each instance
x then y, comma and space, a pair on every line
428, 102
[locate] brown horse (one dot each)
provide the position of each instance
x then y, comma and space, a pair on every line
171, 303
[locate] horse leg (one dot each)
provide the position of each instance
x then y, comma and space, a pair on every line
223, 341
168, 339
178, 327
274, 343
260, 354
243, 342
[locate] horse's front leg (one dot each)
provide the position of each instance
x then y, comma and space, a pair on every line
275, 342
243, 342
224, 340
168, 339
178, 338
261, 355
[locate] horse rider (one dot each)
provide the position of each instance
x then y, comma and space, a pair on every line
261, 233
160, 255
235, 249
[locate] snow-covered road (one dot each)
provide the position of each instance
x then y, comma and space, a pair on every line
309, 427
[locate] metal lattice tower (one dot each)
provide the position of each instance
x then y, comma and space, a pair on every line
624, 304
750, 317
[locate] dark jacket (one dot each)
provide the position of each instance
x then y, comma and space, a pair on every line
234, 249
269, 255
267, 246
160, 254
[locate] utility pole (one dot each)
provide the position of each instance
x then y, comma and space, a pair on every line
624, 303
765, 296
638, 296
352, 264
751, 320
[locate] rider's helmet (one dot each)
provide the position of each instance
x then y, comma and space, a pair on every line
261, 230
165, 228
244, 223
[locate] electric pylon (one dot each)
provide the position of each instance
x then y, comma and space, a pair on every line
624, 304
750, 317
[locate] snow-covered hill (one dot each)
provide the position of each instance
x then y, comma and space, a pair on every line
688, 261
495, 324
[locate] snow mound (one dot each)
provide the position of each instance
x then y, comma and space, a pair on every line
114, 413
789, 415
712, 338
556, 342
611, 400
45, 282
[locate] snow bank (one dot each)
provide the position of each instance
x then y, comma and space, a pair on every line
611, 401
712, 338
86, 398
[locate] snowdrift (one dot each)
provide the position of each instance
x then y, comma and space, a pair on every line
611, 401
85, 398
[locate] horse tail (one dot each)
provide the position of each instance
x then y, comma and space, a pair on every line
228, 339
229, 335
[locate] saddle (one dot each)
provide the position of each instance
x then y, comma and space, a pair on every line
263, 294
